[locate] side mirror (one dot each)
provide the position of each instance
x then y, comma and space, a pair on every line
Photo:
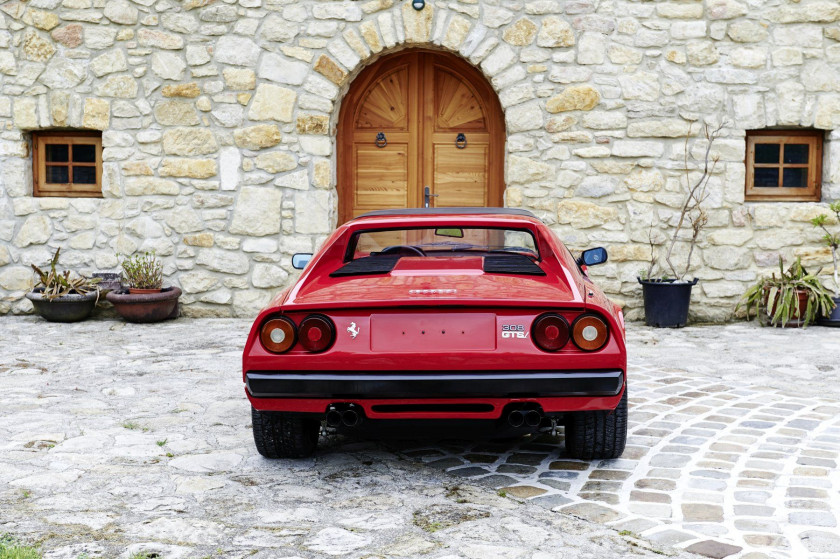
593, 257
300, 260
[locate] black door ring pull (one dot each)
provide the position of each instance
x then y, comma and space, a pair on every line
381, 142
460, 141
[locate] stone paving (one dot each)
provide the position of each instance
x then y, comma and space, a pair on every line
717, 462
118, 438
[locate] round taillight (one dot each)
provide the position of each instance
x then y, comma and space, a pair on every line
278, 335
589, 332
316, 333
550, 332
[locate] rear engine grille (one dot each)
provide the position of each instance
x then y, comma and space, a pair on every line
367, 266
511, 264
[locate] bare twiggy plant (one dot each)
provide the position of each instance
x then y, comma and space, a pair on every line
692, 215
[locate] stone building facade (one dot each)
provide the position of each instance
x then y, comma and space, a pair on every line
218, 123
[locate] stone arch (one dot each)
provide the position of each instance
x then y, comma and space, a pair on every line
378, 29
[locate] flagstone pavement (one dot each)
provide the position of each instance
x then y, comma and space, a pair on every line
118, 438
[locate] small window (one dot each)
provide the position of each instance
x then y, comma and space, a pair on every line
784, 165
67, 164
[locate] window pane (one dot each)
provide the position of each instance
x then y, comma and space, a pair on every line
796, 153
795, 178
443, 242
57, 152
766, 153
84, 175
57, 174
84, 154
766, 177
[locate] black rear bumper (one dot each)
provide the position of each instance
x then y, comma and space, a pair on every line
438, 384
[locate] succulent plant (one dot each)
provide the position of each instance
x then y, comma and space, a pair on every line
831, 240
143, 271
56, 284
778, 297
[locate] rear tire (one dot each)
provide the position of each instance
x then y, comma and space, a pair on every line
283, 435
597, 434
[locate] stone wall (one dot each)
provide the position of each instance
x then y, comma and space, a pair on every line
219, 118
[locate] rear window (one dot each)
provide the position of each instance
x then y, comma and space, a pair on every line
442, 242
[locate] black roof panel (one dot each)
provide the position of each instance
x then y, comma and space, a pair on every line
449, 211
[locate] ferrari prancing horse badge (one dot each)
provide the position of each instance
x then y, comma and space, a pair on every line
353, 330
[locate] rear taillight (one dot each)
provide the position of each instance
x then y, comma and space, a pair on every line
590, 332
550, 332
316, 333
278, 335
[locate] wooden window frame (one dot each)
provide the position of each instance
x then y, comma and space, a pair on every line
41, 188
810, 193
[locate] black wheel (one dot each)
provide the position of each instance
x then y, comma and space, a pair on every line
597, 434
283, 435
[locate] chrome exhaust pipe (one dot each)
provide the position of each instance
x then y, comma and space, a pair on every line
333, 418
533, 418
516, 418
350, 418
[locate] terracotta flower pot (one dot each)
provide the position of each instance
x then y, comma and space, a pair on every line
796, 321
148, 307
139, 291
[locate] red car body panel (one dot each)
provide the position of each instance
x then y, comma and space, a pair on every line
438, 315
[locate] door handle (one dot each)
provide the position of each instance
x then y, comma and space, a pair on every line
427, 196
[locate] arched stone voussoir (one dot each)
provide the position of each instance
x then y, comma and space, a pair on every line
398, 27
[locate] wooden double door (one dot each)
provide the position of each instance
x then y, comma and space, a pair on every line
419, 120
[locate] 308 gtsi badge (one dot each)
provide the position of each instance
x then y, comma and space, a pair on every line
514, 331
425, 318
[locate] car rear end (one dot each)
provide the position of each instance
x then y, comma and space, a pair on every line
437, 341
424, 362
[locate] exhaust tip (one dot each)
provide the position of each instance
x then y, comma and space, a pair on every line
350, 418
533, 418
333, 418
516, 418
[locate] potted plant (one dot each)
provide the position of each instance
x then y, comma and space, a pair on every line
666, 293
833, 242
60, 297
144, 299
794, 299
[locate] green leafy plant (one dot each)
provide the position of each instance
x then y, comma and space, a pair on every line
831, 240
57, 284
778, 297
11, 549
142, 271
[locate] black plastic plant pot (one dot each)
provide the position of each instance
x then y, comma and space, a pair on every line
833, 319
666, 302
67, 308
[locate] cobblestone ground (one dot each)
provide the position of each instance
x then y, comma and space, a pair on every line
119, 438
732, 450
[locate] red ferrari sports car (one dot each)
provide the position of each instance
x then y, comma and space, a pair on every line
424, 318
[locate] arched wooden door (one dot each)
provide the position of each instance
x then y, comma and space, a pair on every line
418, 103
